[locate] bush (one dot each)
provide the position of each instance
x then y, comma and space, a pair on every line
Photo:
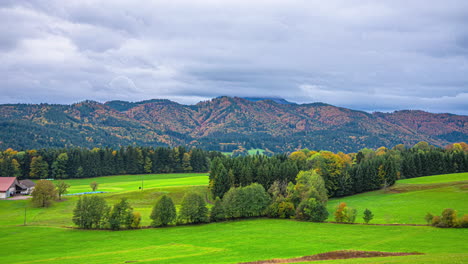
428, 218
351, 214
43, 194
340, 213
436, 220
463, 221
286, 210
217, 211
448, 218
136, 220
368, 215
193, 209
311, 210
164, 212
91, 212
344, 214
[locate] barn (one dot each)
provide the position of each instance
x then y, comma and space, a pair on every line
10, 186
28, 185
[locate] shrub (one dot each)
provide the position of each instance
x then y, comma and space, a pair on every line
164, 212
448, 218
463, 221
368, 216
193, 209
286, 209
435, 220
136, 220
317, 212
340, 213
351, 214
312, 210
428, 218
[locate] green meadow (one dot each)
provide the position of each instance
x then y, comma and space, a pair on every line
125, 183
408, 201
48, 238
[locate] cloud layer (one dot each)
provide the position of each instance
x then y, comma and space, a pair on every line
367, 55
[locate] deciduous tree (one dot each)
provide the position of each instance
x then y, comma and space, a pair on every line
44, 193
61, 188
164, 212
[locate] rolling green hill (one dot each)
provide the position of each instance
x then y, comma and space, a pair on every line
237, 241
408, 201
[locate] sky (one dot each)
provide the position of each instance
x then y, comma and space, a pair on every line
365, 55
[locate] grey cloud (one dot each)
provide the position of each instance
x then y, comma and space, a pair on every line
368, 55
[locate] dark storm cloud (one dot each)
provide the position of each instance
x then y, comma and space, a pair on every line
368, 55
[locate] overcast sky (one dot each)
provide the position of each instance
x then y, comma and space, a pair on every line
366, 55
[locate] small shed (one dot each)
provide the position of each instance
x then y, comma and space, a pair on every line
28, 186
9, 186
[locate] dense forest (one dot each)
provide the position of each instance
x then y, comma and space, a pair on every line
222, 124
343, 174
83, 163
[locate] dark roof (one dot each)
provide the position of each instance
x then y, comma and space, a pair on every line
27, 183
6, 182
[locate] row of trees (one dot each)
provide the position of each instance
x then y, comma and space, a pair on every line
306, 200
92, 212
343, 174
83, 163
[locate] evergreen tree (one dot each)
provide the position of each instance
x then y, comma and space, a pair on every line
121, 215
368, 215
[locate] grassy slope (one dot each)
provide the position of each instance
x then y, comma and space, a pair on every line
175, 185
227, 242
411, 199
133, 182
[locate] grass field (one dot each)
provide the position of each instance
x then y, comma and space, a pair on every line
228, 242
123, 183
408, 201
47, 241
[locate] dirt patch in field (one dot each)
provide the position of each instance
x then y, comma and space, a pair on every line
419, 187
340, 254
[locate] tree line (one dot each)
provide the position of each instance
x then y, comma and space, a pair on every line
343, 174
84, 163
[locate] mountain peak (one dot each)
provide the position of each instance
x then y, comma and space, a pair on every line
274, 99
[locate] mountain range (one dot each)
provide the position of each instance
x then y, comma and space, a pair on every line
223, 123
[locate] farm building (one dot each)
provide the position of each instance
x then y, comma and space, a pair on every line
28, 184
10, 186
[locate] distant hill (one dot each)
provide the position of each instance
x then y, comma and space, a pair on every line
223, 124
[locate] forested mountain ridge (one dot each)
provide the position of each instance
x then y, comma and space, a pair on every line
223, 123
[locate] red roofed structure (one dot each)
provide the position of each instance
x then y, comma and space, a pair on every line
9, 186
